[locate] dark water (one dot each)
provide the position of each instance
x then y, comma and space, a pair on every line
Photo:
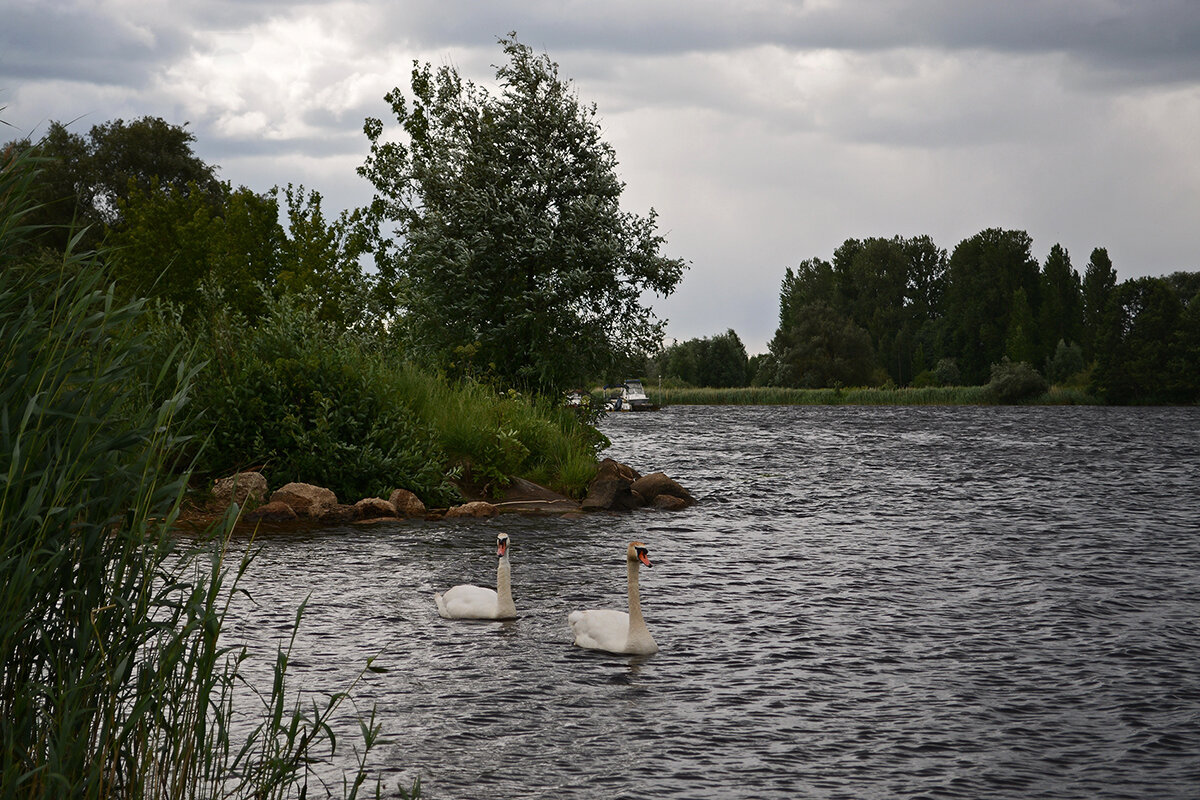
866, 603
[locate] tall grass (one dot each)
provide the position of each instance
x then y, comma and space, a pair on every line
489, 436
114, 681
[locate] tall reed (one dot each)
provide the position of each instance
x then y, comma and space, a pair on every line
114, 681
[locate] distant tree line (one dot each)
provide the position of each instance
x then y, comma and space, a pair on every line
900, 312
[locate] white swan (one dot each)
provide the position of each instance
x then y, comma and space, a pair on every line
477, 602
616, 631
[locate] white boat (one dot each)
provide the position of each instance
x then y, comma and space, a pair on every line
630, 397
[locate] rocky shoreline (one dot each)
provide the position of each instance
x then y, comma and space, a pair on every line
616, 487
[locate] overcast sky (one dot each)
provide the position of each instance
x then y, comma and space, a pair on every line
764, 132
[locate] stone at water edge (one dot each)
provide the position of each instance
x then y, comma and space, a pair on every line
406, 503
305, 499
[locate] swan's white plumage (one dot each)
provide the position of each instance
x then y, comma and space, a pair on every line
467, 601
617, 631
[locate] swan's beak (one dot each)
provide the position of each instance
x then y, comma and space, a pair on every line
644, 558
501, 547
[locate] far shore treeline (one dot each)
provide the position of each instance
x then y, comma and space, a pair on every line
986, 324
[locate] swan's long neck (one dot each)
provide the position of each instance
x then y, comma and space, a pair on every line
637, 624
504, 587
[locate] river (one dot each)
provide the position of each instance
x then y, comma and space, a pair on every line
866, 602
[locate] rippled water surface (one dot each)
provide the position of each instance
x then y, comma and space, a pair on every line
865, 603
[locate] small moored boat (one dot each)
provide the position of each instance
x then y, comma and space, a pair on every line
631, 397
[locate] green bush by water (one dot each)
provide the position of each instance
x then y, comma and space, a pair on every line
301, 401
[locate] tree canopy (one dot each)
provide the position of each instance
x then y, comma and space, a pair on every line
84, 181
512, 257
719, 361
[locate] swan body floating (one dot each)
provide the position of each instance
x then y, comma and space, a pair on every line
478, 602
616, 631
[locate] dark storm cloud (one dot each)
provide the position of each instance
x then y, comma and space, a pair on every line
81, 44
1137, 39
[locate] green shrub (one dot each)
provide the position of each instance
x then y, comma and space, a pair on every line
1066, 363
304, 402
1015, 381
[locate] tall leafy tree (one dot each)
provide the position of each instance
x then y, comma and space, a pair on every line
320, 259
174, 243
892, 289
84, 180
1099, 282
512, 255
719, 360
1141, 350
817, 347
1020, 343
872, 277
1060, 317
983, 276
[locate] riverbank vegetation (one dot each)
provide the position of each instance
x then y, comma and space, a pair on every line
448, 361
114, 679
899, 314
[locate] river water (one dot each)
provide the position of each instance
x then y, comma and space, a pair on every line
889, 602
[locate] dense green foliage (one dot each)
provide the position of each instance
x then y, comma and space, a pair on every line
720, 360
512, 259
302, 399
83, 181
113, 679
899, 312
172, 231
1014, 381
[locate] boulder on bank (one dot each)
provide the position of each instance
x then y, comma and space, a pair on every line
339, 513
305, 499
374, 508
243, 488
406, 503
611, 489
275, 511
476, 508
668, 502
657, 485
